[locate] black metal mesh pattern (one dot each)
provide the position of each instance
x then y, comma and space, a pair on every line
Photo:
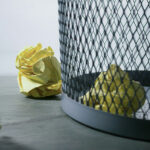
105, 47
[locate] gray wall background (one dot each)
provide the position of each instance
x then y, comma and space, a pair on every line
24, 23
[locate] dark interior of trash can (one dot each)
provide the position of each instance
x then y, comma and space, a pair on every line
88, 81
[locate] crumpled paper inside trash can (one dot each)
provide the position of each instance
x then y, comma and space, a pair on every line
115, 92
39, 72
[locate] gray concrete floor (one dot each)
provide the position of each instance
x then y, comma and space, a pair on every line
30, 124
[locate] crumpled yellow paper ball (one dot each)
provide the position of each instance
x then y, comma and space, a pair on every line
115, 92
39, 72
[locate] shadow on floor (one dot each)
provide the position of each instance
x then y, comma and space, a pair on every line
56, 98
7, 143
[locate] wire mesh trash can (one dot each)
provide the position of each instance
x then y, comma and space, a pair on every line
105, 64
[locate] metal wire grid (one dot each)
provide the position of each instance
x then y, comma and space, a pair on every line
97, 33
